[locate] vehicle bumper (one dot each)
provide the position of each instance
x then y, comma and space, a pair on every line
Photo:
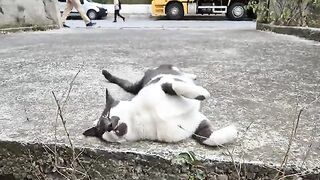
102, 12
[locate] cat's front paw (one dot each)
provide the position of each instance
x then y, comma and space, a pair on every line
106, 74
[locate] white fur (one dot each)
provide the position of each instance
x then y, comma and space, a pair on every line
222, 136
155, 115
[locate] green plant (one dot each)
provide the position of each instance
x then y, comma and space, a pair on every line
196, 170
288, 13
261, 9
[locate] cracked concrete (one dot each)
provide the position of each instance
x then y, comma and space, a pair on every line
258, 80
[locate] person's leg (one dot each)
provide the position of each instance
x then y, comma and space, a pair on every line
116, 12
77, 5
67, 11
123, 18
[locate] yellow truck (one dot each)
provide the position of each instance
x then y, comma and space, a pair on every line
177, 9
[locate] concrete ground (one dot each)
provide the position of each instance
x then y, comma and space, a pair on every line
145, 22
257, 80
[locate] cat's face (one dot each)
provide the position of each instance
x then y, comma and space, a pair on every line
108, 127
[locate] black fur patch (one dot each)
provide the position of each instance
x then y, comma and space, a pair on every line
162, 69
98, 130
167, 88
121, 129
176, 79
203, 131
110, 102
115, 103
113, 124
155, 80
91, 132
133, 88
200, 97
104, 123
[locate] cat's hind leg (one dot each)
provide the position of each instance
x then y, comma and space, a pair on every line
205, 135
132, 88
185, 89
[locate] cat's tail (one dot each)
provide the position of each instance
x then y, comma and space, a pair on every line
205, 135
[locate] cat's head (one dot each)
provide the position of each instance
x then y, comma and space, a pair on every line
108, 128
171, 69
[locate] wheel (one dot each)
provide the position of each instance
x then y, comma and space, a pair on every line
236, 11
174, 11
92, 14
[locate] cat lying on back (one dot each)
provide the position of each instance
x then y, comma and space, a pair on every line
165, 108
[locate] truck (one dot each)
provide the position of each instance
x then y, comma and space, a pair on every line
177, 9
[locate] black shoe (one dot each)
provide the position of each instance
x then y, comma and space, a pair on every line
124, 19
90, 24
114, 21
66, 26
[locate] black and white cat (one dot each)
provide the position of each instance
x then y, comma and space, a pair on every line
165, 108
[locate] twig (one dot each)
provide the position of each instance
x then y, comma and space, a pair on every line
293, 134
69, 89
46, 147
72, 170
60, 109
59, 114
62, 119
304, 173
63, 175
67, 133
310, 145
234, 164
78, 161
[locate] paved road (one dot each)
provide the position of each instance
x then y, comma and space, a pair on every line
258, 80
217, 22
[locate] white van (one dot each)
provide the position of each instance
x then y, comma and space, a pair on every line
93, 10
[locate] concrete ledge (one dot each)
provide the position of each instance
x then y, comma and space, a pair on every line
304, 32
253, 77
25, 13
31, 160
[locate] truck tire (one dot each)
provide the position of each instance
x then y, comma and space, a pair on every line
174, 11
236, 11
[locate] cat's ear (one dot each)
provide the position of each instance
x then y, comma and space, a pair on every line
109, 100
91, 132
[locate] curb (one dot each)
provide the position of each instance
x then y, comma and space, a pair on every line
26, 29
304, 32
32, 160
132, 16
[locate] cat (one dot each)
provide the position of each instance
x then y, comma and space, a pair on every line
165, 108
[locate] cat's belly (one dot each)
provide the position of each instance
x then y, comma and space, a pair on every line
163, 117
173, 129
164, 128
